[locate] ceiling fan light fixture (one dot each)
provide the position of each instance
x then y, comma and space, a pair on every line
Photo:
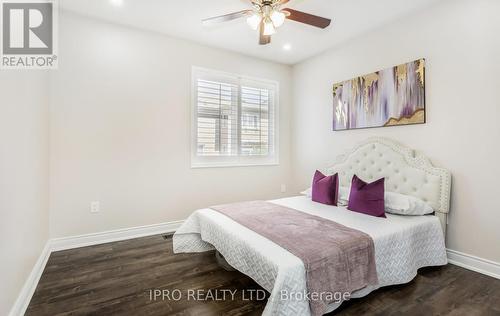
278, 18
254, 20
266, 16
269, 28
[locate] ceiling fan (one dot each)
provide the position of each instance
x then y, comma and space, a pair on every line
267, 16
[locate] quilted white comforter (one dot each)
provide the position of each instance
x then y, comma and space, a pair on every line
403, 244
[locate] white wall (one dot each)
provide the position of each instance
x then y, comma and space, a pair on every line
460, 42
24, 137
119, 126
120, 130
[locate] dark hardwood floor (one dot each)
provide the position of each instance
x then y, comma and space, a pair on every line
117, 279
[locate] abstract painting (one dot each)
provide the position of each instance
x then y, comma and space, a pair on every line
394, 96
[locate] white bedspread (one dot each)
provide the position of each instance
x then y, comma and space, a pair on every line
403, 244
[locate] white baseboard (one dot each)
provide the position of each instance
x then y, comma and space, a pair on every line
29, 286
474, 263
65, 243
58, 244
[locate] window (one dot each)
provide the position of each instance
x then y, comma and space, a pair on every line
234, 120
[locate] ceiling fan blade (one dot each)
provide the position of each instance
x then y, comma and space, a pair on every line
226, 17
263, 39
282, 2
307, 18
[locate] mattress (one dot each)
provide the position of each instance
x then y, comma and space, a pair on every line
403, 244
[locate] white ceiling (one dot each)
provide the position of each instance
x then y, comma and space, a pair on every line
182, 19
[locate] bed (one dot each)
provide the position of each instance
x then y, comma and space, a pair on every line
403, 244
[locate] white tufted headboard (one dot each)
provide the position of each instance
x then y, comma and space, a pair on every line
405, 171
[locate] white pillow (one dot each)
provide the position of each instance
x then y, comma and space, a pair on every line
395, 203
401, 204
307, 192
344, 196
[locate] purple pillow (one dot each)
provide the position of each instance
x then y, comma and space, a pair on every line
367, 198
325, 188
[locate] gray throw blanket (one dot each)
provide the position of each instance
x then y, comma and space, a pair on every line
337, 259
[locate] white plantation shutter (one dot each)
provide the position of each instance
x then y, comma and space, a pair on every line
256, 121
234, 120
217, 114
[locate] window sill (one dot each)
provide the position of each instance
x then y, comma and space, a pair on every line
232, 165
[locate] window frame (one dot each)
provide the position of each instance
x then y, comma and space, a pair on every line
238, 160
